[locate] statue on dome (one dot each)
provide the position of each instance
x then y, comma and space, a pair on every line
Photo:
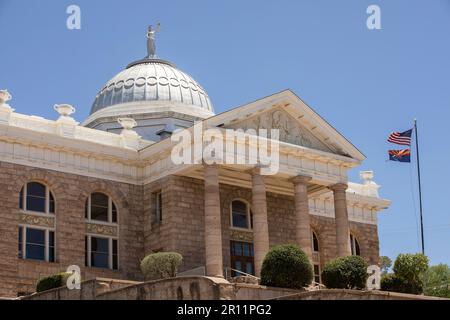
151, 47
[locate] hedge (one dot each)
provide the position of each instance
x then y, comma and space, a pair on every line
286, 266
345, 273
161, 265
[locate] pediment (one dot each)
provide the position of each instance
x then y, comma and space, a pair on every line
290, 130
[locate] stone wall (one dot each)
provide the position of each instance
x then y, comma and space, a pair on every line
181, 228
70, 192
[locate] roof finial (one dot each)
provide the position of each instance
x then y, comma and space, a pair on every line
151, 47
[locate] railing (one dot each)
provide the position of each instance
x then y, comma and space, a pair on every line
199, 271
229, 271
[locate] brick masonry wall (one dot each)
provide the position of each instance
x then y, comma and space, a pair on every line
140, 233
70, 192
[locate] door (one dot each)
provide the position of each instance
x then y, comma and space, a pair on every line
242, 258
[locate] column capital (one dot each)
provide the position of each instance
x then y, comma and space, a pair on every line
300, 179
338, 187
255, 171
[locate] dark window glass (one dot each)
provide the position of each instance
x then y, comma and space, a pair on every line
315, 243
115, 255
246, 250
21, 199
35, 246
351, 245
159, 205
86, 262
316, 273
357, 251
114, 213
86, 209
239, 212
51, 204
51, 246
35, 197
99, 252
20, 242
99, 207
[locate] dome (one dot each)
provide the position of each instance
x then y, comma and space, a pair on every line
152, 80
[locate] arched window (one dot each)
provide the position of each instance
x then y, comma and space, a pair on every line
100, 207
36, 197
36, 242
101, 251
241, 216
354, 245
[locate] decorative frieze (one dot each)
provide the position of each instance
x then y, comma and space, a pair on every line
101, 229
240, 235
37, 220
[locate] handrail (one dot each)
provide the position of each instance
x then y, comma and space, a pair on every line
240, 272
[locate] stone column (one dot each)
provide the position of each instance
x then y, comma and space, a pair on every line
303, 224
213, 223
260, 224
341, 218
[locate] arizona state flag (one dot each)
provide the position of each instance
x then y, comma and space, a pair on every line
400, 155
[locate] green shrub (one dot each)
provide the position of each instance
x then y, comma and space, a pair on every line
161, 265
408, 276
346, 273
286, 266
437, 280
390, 282
52, 282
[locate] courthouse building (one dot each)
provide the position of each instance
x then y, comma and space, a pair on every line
104, 193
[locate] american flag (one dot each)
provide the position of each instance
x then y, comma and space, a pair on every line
402, 138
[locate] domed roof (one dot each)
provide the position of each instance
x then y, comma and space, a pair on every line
152, 79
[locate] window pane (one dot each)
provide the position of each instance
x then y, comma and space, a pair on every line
86, 262
35, 246
36, 189
51, 208
21, 199
239, 212
86, 209
35, 252
99, 207
99, 252
249, 268
99, 260
99, 245
99, 213
238, 266
99, 199
35, 236
114, 213
20, 242
35, 204
315, 243
115, 256
357, 251
246, 249
237, 249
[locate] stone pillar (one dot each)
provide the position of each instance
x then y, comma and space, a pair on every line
260, 224
303, 224
341, 218
213, 223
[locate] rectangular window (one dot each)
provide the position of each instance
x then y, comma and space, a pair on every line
35, 244
102, 252
241, 258
99, 252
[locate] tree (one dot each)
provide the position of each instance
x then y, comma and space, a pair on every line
385, 264
409, 274
437, 281
161, 265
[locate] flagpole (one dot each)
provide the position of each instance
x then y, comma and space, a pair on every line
420, 186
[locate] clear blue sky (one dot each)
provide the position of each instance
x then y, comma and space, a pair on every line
365, 83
